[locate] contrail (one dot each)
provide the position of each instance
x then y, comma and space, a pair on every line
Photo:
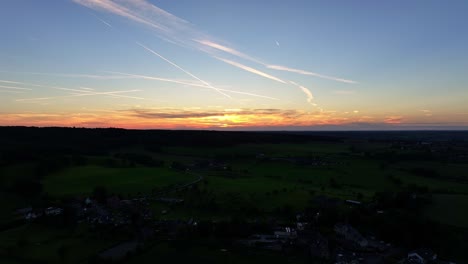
161, 79
13, 88
68, 89
91, 76
180, 68
177, 30
102, 20
226, 49
114, 93
303, 72
250, 69
4, 81
193, 84
307, 92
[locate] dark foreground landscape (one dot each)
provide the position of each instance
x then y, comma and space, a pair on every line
71, 195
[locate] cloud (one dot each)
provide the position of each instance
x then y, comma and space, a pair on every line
180, 68
12, 82
80, 93
178, 31
304, 72
66, 75
393, 119
229, 50
102, 20
231, 117
252, 70
308, 93
143, 113
310, 97
187, 83
131, 12
426, 112
12, 87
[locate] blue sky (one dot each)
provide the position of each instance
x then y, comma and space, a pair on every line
234, 64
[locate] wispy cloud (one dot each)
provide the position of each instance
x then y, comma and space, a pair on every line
180, 68
193, 84
250, 69
304, 72
13, 87
12, 82
306, 91
393, 119
426, 112
229, 50
82, 93
178, 31
310, 97
130, 12
102, 21
65, 75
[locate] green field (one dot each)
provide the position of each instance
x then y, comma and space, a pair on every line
449, 209
251, 187
82, 180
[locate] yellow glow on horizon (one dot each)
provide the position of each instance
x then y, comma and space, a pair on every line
197, 119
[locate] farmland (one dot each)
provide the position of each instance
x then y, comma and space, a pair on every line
220, 177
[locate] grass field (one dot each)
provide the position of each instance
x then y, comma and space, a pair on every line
449, 209
82, 180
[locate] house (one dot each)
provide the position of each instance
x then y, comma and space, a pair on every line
421, 256
301, 225
53, 211
88, 201
28, 213
23, 212
286, 233
349, 233
32, 215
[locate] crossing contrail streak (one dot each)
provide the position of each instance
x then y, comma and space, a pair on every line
83, 92
192, 84
4, 81
13, 88
180, 68
113, 93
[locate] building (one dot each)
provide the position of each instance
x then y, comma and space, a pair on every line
349, 233
421, 256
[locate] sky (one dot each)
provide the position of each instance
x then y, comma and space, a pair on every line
235, 65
